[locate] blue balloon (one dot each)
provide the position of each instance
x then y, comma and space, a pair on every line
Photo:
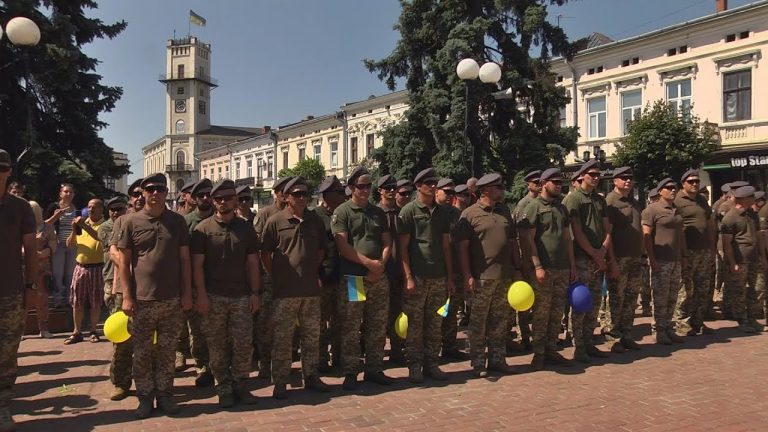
605, 286
580, 298
84, 213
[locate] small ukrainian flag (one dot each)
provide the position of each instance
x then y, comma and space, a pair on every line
355, 288
196, 19
443, 311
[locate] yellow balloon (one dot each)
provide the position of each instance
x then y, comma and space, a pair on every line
520, 296
401, 325
154, 338
116, 327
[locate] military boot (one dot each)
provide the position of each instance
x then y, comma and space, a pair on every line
243, 395
674, 337
280, 391
226, 399
662, 338
167, 405
415, 375
501, 367
315, 383
145, 407
580, 355
435, 373
118, 393
538, 361
629, 343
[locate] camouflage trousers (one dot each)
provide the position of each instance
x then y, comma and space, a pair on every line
396, 284
548, 310
665, 285
153, 364
743, 297
263, 326
12, 314
424, 324
761, 289
583, 324
488, 323
450, 325
622, 296
330, 323
192, 339
289, 313
121, 365
645, 291
373, 314
692, 301
228, 328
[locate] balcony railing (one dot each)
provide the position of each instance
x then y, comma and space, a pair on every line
202, 77
179, 168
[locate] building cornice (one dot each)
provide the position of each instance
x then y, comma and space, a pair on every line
376, 102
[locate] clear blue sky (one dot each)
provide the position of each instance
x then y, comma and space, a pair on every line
278, 61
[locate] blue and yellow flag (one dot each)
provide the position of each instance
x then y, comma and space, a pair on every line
355, 288
443, 311
196, 19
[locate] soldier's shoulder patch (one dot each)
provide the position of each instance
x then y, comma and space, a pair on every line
334, 218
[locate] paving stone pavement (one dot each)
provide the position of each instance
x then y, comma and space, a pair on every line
710, 382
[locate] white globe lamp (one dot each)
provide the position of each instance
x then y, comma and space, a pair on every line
23, 31
467, 69
490, 73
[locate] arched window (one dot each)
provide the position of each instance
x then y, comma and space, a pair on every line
180, 126
181, 159
179, 184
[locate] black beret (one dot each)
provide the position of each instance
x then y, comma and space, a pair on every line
445, 183
592, 163
738, 184
243, 190
330, 184
489, 179
201, 185
726, 187
622, 171
280, 183
180, 198
386, 181
461, 188
689, 173
551, 174
653, 193
134, 185
188, 186
760, 195
533, 176
425, 175
356, 173
156, 178
743, 192
222, 187
294, 182
405, 183
118, 200
575, 176
665, 182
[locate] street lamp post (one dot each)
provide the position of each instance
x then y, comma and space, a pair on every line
23, 32
490, 73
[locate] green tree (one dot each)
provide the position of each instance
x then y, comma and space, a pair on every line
51, 98
311, 169
515, 134
662, 143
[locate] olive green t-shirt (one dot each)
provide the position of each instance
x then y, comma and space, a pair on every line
762, 216
427, 229
296, 246
521, 205
742, 225
364, 227
193, 218
105, 237
667, 230
549, 219
624, 216
329, 271
696, 216
261, 218
226, 247
154, 243
588, 210
490, 230
16, 220
393, 267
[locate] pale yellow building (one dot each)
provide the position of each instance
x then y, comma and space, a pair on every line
119, 185
711, 65
314, 137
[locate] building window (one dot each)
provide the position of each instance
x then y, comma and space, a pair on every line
353, 150
679, 50
260, 169
285, 159
180, 126
249, 168
597, 117
201, 92
269, 167
562, 115
631, 107
632, 61
237, 170
219, 172
180, 71
370, 142
737, 95
201, 107
679, 96
302, 154
334, 153
181, 160
317, 149
180, 90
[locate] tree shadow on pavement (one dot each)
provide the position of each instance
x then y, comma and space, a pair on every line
73, 412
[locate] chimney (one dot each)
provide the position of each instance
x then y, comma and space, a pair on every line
721, 5
266, 128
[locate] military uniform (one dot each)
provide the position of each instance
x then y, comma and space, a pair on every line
667, 233
330, 329
365, 228
450, 325
742, 225
761, 286
692, 302
427, 228
488, 233
627, 236
394, 272
296, 247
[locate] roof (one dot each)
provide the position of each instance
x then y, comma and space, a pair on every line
231, 131
376, 101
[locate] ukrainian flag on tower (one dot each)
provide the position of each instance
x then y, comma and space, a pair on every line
196, 19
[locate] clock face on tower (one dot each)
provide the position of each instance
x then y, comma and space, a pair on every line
181, 106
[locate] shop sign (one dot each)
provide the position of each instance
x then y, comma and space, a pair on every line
749, 161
